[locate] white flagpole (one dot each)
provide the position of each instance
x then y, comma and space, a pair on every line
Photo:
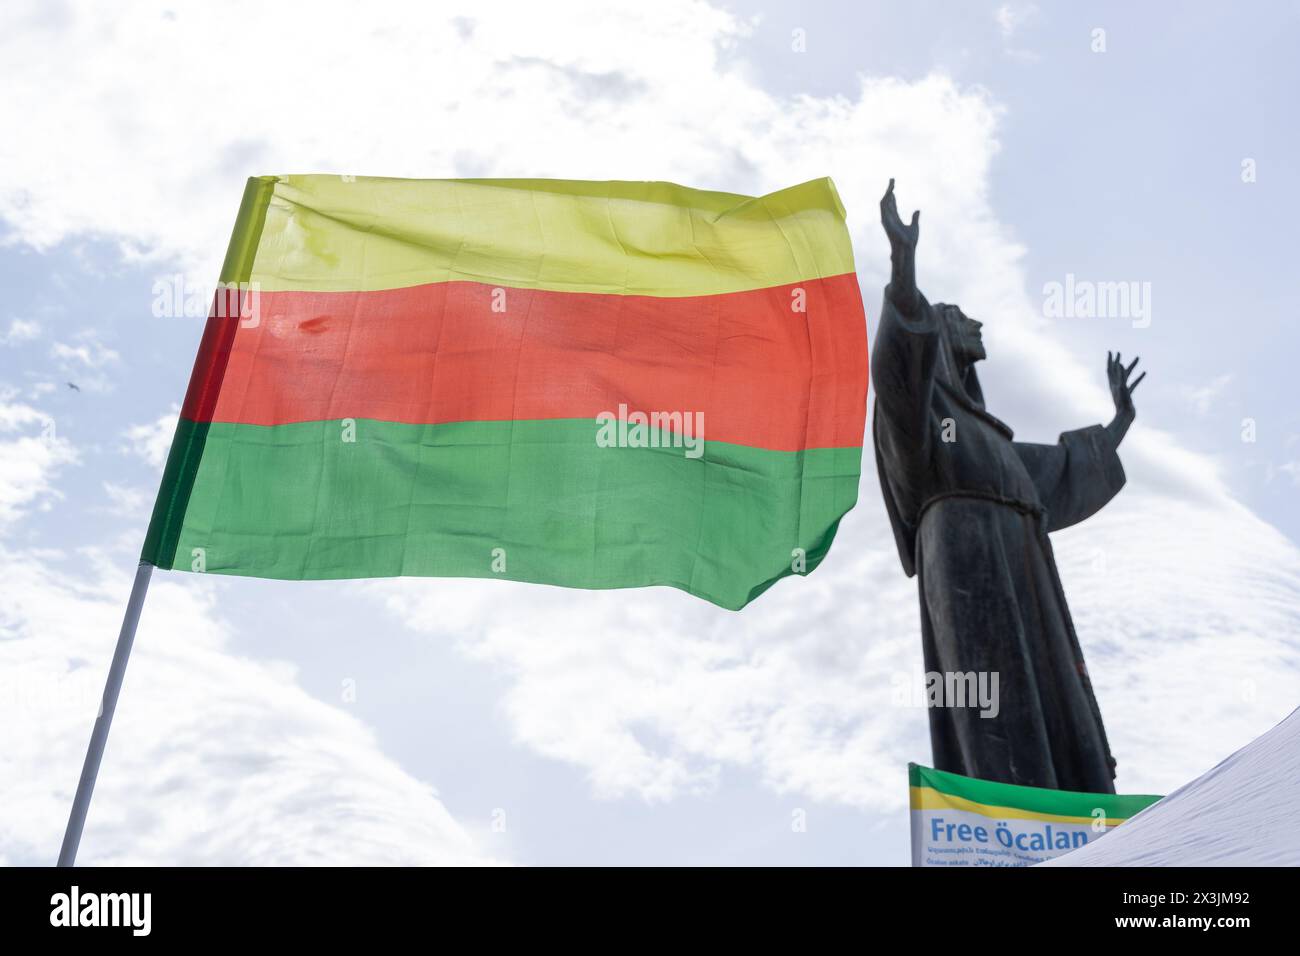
99, 736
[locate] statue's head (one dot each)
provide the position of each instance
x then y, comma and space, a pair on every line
963, 333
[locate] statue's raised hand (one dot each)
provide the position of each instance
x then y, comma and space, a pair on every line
1121, 391
901, 235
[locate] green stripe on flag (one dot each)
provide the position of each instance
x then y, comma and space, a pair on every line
298, 501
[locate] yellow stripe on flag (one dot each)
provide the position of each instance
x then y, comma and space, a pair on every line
360, 234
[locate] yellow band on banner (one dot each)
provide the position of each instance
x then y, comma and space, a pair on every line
926, 798
359, 234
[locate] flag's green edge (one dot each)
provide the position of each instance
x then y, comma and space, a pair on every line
187, 444
1068, 803
362, 498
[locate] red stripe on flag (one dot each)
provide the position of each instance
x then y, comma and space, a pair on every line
763, 373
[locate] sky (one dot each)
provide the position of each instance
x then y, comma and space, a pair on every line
487, 722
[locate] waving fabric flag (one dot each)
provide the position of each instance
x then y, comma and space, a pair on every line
588, 384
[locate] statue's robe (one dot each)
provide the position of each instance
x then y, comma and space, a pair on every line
971, 517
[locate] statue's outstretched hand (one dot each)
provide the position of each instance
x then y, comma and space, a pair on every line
902, 289
901, 235
1121, 391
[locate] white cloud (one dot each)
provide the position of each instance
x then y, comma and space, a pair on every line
1010, 18
525, 90
31, 452
217, 759
1202, 397
85, 359
89, 353
125, 501
21, 330
152, 441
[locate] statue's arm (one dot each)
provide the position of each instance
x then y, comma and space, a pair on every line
905, 351
902, 290
1078, 475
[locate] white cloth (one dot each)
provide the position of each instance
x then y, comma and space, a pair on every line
1244, 812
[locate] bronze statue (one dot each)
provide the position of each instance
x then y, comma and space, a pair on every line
971, 510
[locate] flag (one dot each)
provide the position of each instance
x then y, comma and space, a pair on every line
587, 384
964, 821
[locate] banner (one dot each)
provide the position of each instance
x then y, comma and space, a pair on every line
961, 821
